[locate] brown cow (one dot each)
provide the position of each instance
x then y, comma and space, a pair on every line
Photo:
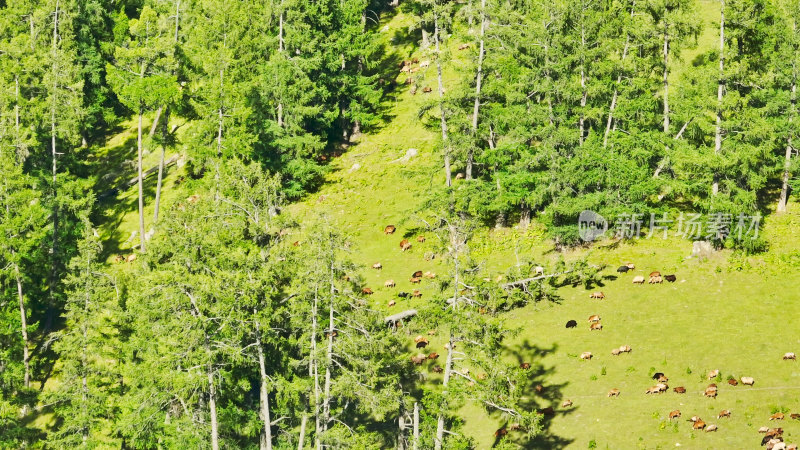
776, 416
119, 259
131, 258
733, 382
655, 280
367, 291
586, 355
422, 343
655, 274
724, 413
416, 293
525, 366
429, 275
566, 403
417, 274
377, 265
598, 295
679, 390
594, 318
420, 238
405, 245
795, 416
713, 374
463, 46
615, 352
438, 369
390, 229
433, 355
699, 424
500, 432
710, 392
392, 302
613, 393
674, 414
625, 348
415, 280
663, 378
419, 359
596, 326
427, 89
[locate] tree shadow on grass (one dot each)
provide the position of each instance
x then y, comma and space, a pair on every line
540, 394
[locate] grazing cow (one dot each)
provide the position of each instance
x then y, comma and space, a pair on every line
501, 432
763, 429
549, 411
131, 258
515, 426
773, 443
724, 413
427, 89
749, 381
679, 390
655, 274
119, 259
710, 392
699, 424
429, 275
615, 352
433, 355
405, 245
625, 348
733, 382
538, 388
613, 393
674, 414
538, 270
419, 359
572, 323
657, 375
653, 390
586, 355
596, 326
392, 302
366, 291
525, 366
670, 278
405, 69
422, 344
424, 64
390, 229
377, 265
417, 274
389, 284
789, 355
420, 238
638, 279
438, 369
795, 416
566, 404
630, 265
713, 374
776, 416
594, 318
296, 244
414, 60
416, 293
419, 338
655, 280
403, 294
598, 295
623, 269
663, 379
463, 46
415, 280
791, 447
694, 418
711, 428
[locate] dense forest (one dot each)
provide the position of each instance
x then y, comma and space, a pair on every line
222, 331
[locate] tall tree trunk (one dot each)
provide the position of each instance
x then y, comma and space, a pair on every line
140, 180
447, 369
54, 153
17, 140
788, 158
720, 93
416, 426
164, 134
280, 50
616, 85
445, 139
666, 77
157, 117
23, 316
262, 369
584, 93
478, 79
326, 399
315, 368
525, 215
311, 371
212, 407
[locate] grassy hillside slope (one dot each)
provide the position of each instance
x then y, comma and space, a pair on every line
729, 313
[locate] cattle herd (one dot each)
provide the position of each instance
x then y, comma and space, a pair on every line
773, 437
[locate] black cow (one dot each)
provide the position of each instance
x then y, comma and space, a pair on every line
572, 324
403, 294
670, 278
623, 269
657, 375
